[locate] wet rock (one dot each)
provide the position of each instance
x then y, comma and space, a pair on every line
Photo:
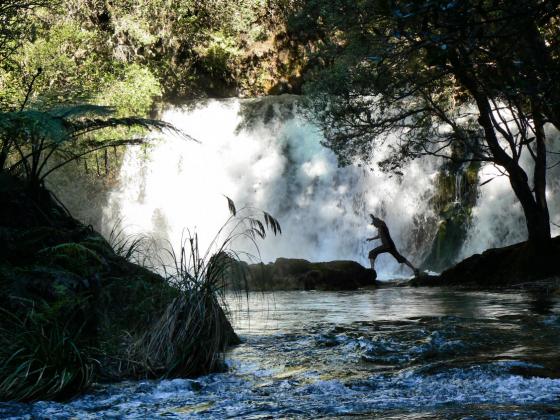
327, 341
299, 274
519, 265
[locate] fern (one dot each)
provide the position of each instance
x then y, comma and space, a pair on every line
30, 139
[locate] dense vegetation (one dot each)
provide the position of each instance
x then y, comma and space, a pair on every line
76, 308
126, 54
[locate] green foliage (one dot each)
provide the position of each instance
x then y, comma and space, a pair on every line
30, 140
93, 50
74, 70
42, 356
217, 55
17, 25
71, 70
130, 90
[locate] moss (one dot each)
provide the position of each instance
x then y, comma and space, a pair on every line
456, 195
73, 257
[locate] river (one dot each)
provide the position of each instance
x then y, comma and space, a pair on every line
393, 353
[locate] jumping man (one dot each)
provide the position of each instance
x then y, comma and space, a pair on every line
387, 245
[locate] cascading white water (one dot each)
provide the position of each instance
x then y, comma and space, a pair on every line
277, 164
271, 158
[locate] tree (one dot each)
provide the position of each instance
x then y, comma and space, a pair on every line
474, 80
15, 23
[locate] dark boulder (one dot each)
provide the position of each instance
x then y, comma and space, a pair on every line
299, 274
513, 265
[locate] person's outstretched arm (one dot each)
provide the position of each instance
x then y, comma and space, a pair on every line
373, 238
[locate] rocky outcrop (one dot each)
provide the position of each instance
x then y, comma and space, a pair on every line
71, 308
299, 274
501, 267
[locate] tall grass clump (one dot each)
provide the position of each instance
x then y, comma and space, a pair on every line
194, 331
135, 248
43, 355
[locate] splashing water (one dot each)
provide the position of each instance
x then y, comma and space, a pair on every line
275, 163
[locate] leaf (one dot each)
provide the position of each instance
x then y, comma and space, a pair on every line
231, 206
272, 223
258, 228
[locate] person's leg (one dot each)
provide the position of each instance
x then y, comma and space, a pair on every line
401, 259
374, 253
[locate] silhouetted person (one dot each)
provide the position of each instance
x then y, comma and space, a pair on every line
387, 245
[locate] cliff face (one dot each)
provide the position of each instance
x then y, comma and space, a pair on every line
456, 194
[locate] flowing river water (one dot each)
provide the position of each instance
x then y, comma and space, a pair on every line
393, 353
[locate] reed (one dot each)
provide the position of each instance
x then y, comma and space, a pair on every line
42, 357
194, 330
135, 248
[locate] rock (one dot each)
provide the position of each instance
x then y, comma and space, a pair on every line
512, 266
299, 274
67, 279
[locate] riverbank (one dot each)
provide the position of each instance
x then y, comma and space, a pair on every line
77, 310
512, 266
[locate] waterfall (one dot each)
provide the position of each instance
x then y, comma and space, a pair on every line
262, 152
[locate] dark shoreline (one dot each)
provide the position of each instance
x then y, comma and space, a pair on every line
515, 267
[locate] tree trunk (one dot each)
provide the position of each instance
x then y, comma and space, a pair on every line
536, 217
534, 206
540, 172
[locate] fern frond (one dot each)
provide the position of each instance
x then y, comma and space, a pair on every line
30, 138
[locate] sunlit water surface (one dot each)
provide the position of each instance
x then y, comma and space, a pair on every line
395, 353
